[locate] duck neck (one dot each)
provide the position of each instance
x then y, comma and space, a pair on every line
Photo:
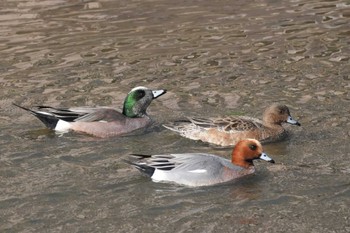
269, 120
272, 128
133, 114
128, 111
133, 108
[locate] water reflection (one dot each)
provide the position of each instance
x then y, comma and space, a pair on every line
216, 59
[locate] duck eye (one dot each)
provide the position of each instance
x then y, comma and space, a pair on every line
140, 94
252, 147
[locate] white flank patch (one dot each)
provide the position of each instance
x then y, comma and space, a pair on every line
62, 126
198, 171
103, 121
159, 175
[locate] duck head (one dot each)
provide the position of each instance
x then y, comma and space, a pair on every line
138, 100
277, 114
248, 150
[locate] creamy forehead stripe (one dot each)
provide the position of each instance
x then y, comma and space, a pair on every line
138, 88
255, 141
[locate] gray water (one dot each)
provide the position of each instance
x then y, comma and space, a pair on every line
216, 58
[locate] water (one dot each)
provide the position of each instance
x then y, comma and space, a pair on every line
215, 58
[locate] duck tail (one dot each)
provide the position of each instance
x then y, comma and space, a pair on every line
141, 166
48, 119
171, 127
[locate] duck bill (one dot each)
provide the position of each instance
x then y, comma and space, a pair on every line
157, 93
265, 157
291, 121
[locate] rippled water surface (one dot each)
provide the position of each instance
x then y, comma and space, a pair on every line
215, 58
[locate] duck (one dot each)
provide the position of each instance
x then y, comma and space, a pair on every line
200, 169
227, 131
100, 121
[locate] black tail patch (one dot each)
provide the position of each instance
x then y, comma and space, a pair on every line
144, 168
141, 156
50, 121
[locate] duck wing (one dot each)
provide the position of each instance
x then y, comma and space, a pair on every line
228, 124
101, 114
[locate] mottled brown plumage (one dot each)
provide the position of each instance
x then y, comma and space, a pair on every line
227, 131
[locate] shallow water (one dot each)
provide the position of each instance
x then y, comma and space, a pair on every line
215, 58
